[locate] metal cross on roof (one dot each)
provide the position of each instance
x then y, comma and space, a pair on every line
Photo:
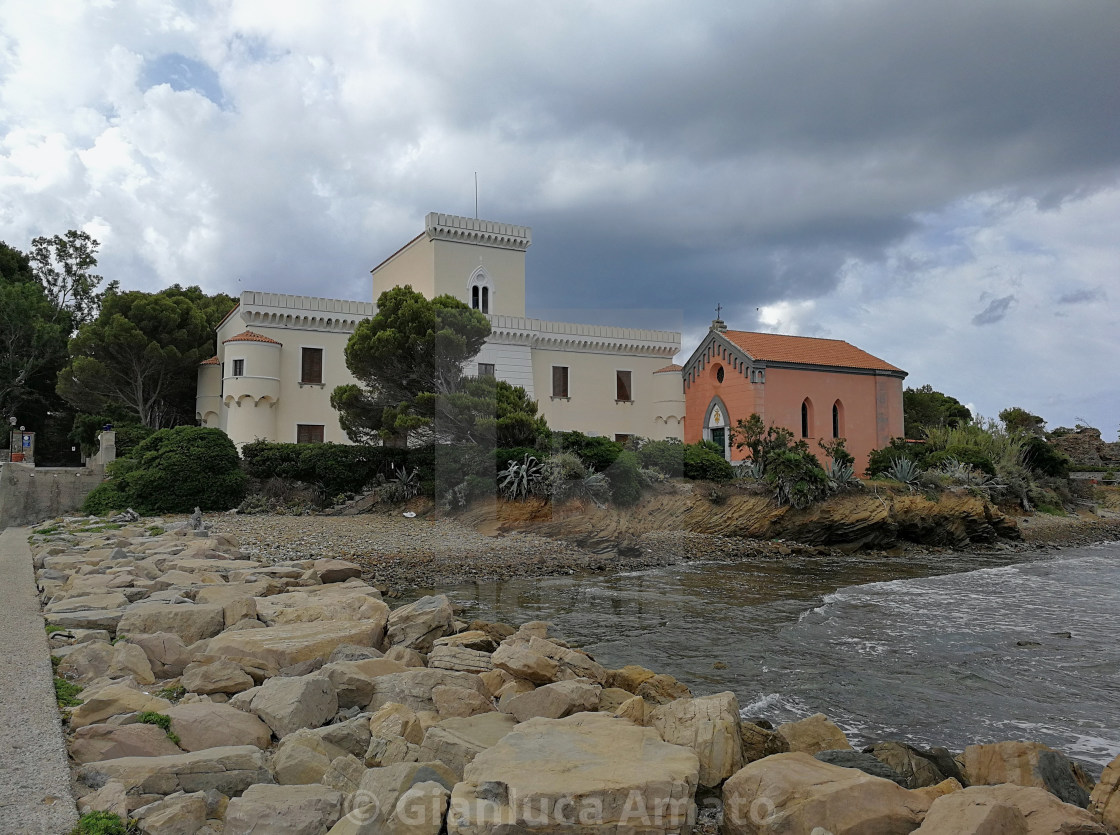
719, 310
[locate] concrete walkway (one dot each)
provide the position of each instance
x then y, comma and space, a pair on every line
35, 796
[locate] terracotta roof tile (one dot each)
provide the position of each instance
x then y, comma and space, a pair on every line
250, 336
806, 350
212, 361
670, 367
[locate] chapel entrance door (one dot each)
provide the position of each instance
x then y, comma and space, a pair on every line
720, 438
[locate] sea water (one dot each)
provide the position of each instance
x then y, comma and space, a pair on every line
955, 649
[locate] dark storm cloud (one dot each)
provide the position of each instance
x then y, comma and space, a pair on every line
994, 312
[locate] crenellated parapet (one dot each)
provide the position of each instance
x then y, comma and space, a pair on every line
562, 336
439, 227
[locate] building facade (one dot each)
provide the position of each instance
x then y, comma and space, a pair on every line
819, 389
280, 356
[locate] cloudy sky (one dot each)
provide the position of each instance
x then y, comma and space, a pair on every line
934, 182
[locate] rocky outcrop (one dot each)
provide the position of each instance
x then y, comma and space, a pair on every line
1027, 764
1104, 802
1006, 810
812, 734
710, 726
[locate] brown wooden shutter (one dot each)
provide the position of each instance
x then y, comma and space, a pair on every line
312, 370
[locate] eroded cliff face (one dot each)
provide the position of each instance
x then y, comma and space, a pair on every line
870, 518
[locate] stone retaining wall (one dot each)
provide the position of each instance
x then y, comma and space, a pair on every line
31, 494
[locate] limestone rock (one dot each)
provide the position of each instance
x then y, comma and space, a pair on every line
709, 726
458, 658
303, 758
555, 701
108, 600
517, 659
417, 625
791, 794
456, 742
283, 810
183, 814
866, 763
662, 689
344, 774
1105, 799
229, 770
382, 788
335, 571
389, 750
452, 700
108, 742
190, 621
1006, 810
350, 652
758, 742
917, 767
353, 680
112, 700
635, 709
288, 704
946, 786
413, 688
345, 602
604, 769
1025, 764
208, 725
812, 734
166, 652
130, 660
284, 646
111, 798
392, 719
419, 810
612, 698
87, 662
352, 735
407, 657
106, 619
477, 639
220, 676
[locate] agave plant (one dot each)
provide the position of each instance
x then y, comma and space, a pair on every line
841, 475
406, 482
519, 480
904, 470
749, 471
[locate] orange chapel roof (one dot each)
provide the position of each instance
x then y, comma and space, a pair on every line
251, 336
806, 350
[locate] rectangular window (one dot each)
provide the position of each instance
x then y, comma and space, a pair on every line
623, 391
308, 433
621, 438
238, 368
311, 370
559, 381
486, 369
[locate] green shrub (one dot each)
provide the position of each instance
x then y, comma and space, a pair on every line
797, 476
101, 823
160, 720
883, 459
705, 462
597, 452
1045, 459
666, 456
626, 479
970, 455
66, 692
174, 471
503, 455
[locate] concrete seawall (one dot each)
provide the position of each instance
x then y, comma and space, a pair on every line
31, 494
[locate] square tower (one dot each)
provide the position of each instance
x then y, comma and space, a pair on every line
480, 262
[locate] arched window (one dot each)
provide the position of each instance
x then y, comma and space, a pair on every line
480, 289
837, 414
806, 417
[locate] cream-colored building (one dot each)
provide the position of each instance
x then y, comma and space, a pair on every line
280, 356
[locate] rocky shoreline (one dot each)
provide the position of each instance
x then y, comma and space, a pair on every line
223, 694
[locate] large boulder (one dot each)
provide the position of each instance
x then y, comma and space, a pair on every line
919, 768
283, 810
455, 701
589, 768
812, 734
87, 661
710, 726
1006, 810
417, 625
229, 770
759, 742
794, 794
392, 719
113, 700
456, 742
191, 622
179, 814
166, 652
209, 725
1104, 802
459, 658
345, 602
419, 810
130, 660
1026, 764
867, 763
284, 646
353, 680
303, 757
287, 704
108, 742
218, 676
413, 688
555, 701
